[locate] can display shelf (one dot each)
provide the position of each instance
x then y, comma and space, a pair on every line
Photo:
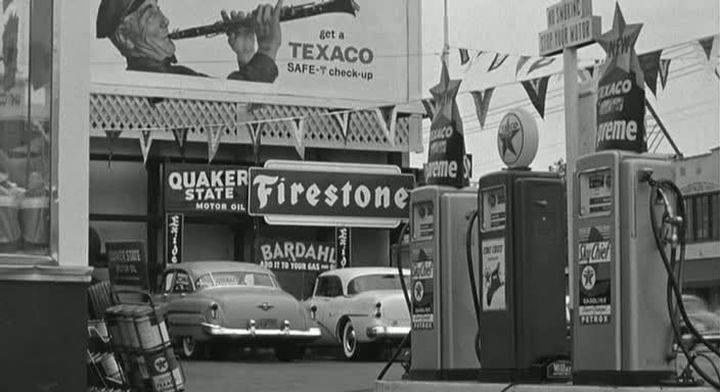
134, 353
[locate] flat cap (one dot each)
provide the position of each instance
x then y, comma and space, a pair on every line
111, 14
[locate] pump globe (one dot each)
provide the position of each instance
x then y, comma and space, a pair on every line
517, 138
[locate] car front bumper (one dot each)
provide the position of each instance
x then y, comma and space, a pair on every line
383, 332
252, 333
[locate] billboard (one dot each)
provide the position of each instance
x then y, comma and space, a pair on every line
343, 49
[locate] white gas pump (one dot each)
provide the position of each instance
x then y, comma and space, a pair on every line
443, 316
626, 290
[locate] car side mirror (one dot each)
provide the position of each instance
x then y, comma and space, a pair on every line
313, 311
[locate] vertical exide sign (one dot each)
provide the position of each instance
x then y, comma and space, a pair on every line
174, 240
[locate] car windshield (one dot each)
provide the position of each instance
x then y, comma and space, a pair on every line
235, 278
376, 282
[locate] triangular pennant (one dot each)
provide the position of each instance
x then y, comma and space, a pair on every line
299, 132
650, 64
214, 136
537, 90
255, 137
145, 143
429, 105
710, 50
464, 56
482, 104
540, 63
343, 119
180, 135
498, 60
521, 61
664, 71
387, 116
112, 135
707, 44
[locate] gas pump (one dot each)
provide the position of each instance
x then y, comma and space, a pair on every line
443, 318
622, 295
523, 328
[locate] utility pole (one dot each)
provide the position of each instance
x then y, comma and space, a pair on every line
570, 25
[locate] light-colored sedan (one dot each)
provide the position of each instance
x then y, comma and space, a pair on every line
216, 304
362, 308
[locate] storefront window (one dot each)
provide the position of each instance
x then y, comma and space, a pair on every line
25, 126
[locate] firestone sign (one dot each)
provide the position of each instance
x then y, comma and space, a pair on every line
315, 193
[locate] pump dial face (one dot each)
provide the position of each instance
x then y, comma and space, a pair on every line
596, 190
493, 209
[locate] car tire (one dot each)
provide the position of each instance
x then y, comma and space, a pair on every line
191, 348
289, 352
352, 349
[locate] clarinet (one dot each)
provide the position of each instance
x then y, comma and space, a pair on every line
286, 14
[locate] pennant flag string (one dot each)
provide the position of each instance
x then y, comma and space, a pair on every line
537, 91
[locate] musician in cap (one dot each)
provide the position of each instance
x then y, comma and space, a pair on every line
139, 30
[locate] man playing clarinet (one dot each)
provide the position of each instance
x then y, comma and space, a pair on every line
139, 30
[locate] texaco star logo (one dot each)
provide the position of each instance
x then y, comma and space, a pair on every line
419, 291
510, 139
588, 278
161, 365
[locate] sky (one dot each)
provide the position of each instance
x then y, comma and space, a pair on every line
689, 106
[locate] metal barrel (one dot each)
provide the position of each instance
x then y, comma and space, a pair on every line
127, 327
113, 324
151, 328
164, 369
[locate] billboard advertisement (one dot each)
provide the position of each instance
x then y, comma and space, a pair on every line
344, 49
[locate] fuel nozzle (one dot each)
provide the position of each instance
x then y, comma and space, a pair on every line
671, 221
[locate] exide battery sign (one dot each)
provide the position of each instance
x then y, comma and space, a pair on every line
330, 194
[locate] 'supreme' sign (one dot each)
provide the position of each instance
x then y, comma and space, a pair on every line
206, 188
330, 194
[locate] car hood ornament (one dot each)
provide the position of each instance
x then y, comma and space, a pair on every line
265, 306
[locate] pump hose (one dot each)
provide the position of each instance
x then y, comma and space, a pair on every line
473, 284
409, 306
674, 267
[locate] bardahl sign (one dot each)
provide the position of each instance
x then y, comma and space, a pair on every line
294, 255
319, 193
204, 188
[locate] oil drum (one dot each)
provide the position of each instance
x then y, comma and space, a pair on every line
151, 329
112, 318
127, 327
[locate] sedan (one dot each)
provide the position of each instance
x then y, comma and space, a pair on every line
360, 308
214, 304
